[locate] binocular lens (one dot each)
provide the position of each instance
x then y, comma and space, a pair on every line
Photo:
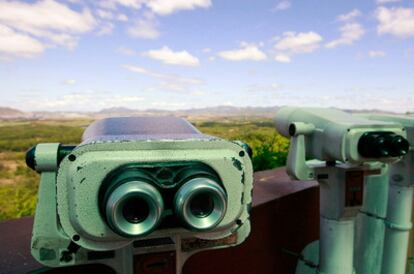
382, 144
399, 146
134, 209
200, 203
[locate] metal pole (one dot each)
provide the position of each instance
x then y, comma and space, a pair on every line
337, 223
397, 232
370, 228
336, 246
398, 222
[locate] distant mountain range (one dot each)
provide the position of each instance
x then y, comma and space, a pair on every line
7, 113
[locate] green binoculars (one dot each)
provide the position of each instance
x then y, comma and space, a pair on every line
136, 182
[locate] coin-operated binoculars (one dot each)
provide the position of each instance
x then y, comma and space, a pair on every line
339, 146
139, 185
400, 177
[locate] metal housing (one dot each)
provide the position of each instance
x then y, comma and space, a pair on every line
112, 143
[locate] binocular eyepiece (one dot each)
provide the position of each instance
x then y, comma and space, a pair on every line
382, 144
200, 204
135, 208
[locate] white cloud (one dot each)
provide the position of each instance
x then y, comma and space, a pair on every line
167, 56
76, 1
126, 51
165, 7
112, 4
109, 15
171, 82
396, 21
136, 4
105, 29
382, 2
198, 93
160, 7
45, 23
264, 88
168, 105
88, 100
144, 71
350, 33
363, 98
276, 86
163, 76
117, 100
349, 16
70, 82
45, 15
145, 28
105, 14
16, 44
293, 43
283, 58
376, 53
172, 86
247, 52
282, 5
302, 42
122, 17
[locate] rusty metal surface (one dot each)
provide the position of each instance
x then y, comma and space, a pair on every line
285, 216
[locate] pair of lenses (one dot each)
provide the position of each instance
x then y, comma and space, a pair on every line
135, 208
382, 144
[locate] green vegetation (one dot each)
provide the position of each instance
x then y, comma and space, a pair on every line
20, 137
269, 148
18, 184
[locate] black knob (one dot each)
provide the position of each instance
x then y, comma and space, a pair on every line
30, 158
63, 151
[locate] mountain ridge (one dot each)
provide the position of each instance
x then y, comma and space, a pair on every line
8, 113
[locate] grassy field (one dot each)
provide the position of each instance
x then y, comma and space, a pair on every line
18, 184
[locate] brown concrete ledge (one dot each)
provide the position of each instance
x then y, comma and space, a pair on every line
285, 216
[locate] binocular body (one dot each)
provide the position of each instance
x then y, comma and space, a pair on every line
333, 147
138, 179
333, 135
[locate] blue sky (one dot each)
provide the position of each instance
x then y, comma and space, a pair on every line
84, 55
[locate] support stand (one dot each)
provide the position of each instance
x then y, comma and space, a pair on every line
398, 221
370, 227
337, 221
